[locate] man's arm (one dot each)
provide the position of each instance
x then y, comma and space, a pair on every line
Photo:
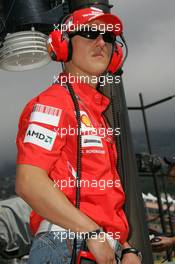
36, 188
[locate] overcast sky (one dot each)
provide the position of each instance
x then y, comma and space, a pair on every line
150, 69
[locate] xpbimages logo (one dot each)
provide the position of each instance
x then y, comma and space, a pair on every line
102, 27
40, 136
102, 237
102, 80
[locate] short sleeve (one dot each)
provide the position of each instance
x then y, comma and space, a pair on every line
39, 138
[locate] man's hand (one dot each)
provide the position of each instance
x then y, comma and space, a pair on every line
130, 258
164, 244
101, 250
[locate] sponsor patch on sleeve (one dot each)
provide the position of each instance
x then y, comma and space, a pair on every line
40, 136
46, 114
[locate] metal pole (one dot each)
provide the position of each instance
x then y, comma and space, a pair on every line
155, 179
160, 101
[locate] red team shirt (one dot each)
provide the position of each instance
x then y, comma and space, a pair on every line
47, 139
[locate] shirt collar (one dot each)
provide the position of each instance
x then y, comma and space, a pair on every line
88, 95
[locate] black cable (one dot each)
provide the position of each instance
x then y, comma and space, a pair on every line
79, 155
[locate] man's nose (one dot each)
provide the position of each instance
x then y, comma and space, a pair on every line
100, 41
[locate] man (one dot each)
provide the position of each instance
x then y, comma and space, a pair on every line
171, 172
165, 243
47, 158
171, 168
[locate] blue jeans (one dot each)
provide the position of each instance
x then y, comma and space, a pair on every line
51, 248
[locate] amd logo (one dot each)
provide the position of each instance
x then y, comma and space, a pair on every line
45, 138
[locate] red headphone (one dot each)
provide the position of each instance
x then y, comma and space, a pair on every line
60, 49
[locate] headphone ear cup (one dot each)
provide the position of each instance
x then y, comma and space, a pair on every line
116, 60
59, 46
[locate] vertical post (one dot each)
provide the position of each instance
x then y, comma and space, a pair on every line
134, 206
155, 179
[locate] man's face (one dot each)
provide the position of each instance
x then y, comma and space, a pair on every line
172, 173
91, 56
